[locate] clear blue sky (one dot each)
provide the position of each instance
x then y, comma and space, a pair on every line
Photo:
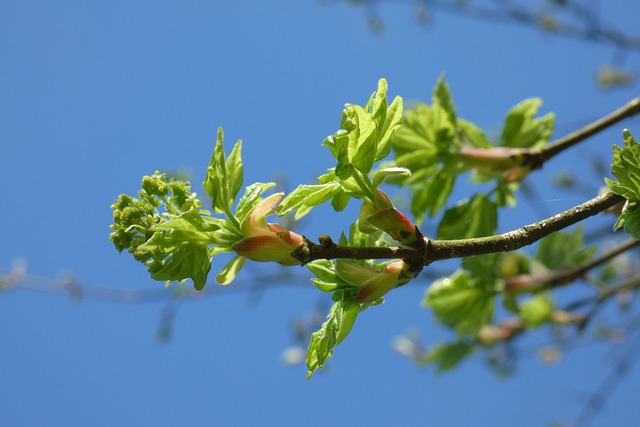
93, 95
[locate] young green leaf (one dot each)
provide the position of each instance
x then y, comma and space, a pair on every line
449, 355
388, 128
365, 133
178, 249
224, 176
472, 134
521, 129
251, 198
362, 137
460, 303
230, 270
338, 325
323, 269
380, 176
564, 250
430, 197
625, 167
475, 217
630, 219
442, 98
485, 269
536, 310
377, 104
305, 197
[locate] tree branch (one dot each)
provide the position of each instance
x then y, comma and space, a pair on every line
586, 28
516, 239
631, 109
552, 279
435, 250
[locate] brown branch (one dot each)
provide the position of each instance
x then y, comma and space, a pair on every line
606, 293
569, 275
516, 239
631, 109
510, 13
435, 250
554, 278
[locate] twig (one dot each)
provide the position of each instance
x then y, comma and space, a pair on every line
605, 294
510, 13
552, 279
516, 239
436, 250
618, 372
631, 109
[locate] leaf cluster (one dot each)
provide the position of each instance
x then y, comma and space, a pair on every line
625, 167
424, 151
364, 138
437, 146
466, 300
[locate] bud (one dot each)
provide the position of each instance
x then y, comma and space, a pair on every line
396, 224
265, 242
373, 283
524, 283
383, 216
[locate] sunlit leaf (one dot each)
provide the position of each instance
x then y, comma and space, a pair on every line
336, 328
460, 303
536, 310
449, 355
475, 217
304, 197
564, 250
522, 129
230, 270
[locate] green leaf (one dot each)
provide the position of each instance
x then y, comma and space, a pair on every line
449, 355
625, 167
475, 217
377, 104
562, 250
251, 198
426, 135
461, 303
380, 176
340, 200
387, 130
414, 142
431, 197
224, 176
230, 270
630, 219
521, 129
323, 269
505, 193
386, 118
485, 269
442, 98
324, 286
178, 249
235, 171
363, 138
338, 325
305, 197
472, 134
225, 237
536, 310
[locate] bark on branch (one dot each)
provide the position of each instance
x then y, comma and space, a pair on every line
436, 250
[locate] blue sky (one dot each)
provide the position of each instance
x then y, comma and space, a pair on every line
94, 95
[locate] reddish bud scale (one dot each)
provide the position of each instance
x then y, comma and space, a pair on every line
267, 242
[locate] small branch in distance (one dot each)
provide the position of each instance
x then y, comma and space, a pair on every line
629, 110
